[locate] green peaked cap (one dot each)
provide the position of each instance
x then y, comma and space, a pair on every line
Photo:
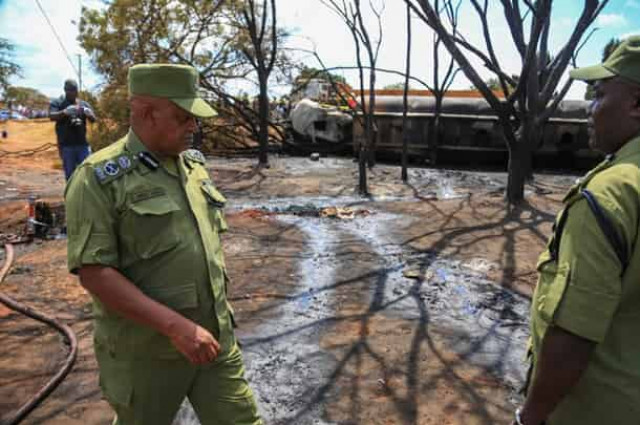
178, 83
623, 62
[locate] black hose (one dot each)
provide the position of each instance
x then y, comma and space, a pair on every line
69, 339
27, 152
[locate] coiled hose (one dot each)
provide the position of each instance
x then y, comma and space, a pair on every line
69, 340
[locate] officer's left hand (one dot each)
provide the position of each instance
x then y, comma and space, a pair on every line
196, 343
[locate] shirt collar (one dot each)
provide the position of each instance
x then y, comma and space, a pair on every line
134, 145
632, 147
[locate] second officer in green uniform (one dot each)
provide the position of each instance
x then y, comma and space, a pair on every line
144, 221
585, 313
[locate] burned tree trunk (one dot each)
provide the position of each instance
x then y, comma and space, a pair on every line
259, 25
434, 135
405, 103
363, 151
519, 163
263, 117
372, 129
521, 145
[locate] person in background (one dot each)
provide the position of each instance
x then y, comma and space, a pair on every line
71, 115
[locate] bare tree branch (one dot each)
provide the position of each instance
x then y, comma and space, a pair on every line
590, 12
514, 20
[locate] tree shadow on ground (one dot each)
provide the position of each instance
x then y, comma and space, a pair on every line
353, 360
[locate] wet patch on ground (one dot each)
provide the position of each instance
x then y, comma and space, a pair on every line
295, 379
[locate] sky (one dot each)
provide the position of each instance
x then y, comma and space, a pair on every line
313, 27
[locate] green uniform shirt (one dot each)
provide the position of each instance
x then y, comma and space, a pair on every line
159, 228
587, 292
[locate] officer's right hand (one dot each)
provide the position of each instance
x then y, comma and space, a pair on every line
196, 343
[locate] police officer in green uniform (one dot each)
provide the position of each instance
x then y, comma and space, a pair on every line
585, 313
144, 221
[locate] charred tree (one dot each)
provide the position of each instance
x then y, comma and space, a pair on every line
405, 102
350, 11
532, 96
441, 82
260, 24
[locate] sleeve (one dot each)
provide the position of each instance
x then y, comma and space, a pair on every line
86, 104
91, 223
592, 284
54, 106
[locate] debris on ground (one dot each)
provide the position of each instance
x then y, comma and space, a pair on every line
342, 213
418, 274
413, 274
307, 210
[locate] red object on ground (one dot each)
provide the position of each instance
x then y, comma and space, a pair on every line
31, 216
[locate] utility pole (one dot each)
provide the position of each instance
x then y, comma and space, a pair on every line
79, 72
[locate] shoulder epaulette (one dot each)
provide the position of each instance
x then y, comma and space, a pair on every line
194, 155
114, 168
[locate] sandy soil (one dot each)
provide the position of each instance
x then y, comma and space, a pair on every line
412, 312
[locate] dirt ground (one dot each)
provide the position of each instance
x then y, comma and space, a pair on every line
407, 307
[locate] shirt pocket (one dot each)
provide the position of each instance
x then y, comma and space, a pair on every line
215, 205
551, 287
149, 226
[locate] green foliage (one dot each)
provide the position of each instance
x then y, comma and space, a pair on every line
396, 86
26, 96
206, 34
493, 84
307, 73
8, 68
128, 32
112, 111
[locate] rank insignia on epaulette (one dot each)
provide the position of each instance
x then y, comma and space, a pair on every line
195, 156
148, 160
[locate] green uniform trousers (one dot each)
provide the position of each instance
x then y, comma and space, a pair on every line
150, 391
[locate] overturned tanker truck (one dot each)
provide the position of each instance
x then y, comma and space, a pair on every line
470, 132
320, 128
